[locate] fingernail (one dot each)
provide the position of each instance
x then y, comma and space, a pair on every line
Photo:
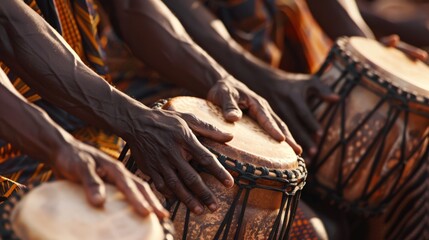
213, 207
97, 198
228, 183
166, 213
198, 210
319, 133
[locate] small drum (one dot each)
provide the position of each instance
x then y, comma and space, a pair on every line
60, 210
376, 136
268, 175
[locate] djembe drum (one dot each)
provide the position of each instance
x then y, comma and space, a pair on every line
376, 136
60, 210
268, 175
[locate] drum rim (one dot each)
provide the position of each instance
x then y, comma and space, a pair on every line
295, 178
7, 207
374, 74
292, 177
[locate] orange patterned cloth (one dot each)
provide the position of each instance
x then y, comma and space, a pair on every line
282, 33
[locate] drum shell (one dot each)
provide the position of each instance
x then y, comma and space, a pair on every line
366, 162
261, 211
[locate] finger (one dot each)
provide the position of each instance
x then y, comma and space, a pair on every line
289, 138
205, 129
227, 98
264, 118
324, 91
207, 160
391, 40
301, 135
181, 192
230, 109
94, 187
194, 183
160, 185
150, 197
119, 176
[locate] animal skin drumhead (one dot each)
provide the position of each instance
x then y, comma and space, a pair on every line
60, 210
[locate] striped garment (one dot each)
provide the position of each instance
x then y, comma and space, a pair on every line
282, 33
78, 21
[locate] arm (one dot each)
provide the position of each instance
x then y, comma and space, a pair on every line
31, 130
156, 36
286, 92
414, 31
339, 18
161, 139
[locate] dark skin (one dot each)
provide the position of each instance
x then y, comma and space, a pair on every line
163, 141
414, 31
31, 130
345, 15
286, 92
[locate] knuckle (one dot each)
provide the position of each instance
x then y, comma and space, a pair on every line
206, 196
172, 182
206, 160
192, 179
188, 200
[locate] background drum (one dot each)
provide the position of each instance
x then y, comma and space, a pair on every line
268, 175
376, 136
60, 210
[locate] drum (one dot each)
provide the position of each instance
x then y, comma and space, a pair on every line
60, 210
376, 136
268, 175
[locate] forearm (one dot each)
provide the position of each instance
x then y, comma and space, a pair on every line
414, 31
58, 74
210, 33
339, 18
27, 127
155, 36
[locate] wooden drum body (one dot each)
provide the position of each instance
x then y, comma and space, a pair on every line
268, 180
376, 136
60, 210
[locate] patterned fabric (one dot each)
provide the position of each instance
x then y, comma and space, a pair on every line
252, 23
305, 44
77, 21
302, 228
282, 33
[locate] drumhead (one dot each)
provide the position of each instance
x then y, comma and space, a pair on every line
60, 210
392, 65
250, 143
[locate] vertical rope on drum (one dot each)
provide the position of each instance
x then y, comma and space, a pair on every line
295, 200
391, 119
241, 216
176, 208
186, 224
275, 228
226, 222
285, 222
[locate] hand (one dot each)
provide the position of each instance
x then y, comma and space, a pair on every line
162, 145
288, 95
86, 165
233, 96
